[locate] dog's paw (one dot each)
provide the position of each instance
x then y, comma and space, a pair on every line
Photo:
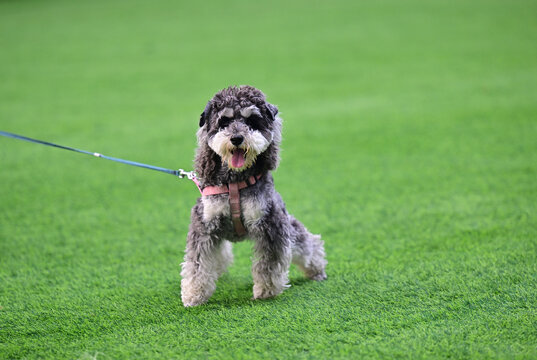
187, 305
263, 293
193, 299
318, 277
196, 291
193, 302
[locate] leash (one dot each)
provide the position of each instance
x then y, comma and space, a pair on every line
232, 188
179, 173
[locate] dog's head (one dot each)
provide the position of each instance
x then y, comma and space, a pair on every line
242, 128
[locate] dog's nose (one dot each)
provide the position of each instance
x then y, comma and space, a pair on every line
237, 140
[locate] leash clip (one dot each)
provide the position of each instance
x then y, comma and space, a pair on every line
188, 174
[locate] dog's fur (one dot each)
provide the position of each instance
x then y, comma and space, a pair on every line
279, 238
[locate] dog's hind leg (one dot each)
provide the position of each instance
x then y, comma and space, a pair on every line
308, 251
201, 268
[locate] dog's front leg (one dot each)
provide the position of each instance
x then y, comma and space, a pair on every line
270, 269
200, 269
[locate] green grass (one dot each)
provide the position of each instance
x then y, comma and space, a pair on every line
410, 144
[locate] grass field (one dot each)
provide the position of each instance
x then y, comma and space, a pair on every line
410, 144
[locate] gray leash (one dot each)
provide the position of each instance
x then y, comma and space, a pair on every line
179, 173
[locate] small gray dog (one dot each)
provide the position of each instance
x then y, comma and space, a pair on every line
238, 146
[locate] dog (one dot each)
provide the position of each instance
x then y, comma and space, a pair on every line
239, 139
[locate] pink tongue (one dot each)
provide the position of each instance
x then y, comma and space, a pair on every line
237, 161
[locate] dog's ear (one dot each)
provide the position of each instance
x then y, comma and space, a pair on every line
272, 111
205, 114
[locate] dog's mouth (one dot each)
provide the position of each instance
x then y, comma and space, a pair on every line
238, 158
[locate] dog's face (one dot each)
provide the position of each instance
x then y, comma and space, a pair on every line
239, 125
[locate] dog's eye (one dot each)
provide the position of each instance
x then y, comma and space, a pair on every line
254, 122
224, 122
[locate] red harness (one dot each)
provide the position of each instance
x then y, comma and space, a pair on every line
234, 198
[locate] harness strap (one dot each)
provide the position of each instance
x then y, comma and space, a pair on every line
235, 206
234, 198
217, 190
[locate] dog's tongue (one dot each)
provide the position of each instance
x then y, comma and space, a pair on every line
237, 160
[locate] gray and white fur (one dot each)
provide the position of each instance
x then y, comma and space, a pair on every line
239, 137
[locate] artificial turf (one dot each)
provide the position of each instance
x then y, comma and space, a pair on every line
410, 144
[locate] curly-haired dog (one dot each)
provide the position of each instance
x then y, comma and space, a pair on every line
238, 146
